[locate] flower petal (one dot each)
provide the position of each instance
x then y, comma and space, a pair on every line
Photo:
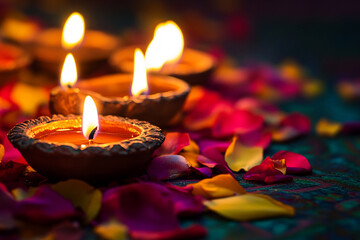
112, 230
7, 207
173, 144
11, 153
223, 185
147, 209
292, 126
327, 128
295, 163
236, 122
239, 156
249, 206
11, 171
256, 138
81, 195
168, 167
44, 207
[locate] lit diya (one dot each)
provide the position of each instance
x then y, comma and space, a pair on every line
91, 148
90, 47
12, 59
166, 55
157, 99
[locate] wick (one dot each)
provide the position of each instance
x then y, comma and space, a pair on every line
92, 134
69, 86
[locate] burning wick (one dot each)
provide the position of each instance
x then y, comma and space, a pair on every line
92, 134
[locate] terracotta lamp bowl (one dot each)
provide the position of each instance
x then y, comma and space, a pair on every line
96, 48
60, 159
111, 93
195, 67
12, 60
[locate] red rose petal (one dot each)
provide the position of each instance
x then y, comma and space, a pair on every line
173, 144
257, 138
295, 163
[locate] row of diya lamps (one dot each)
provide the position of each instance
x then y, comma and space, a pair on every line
76, 142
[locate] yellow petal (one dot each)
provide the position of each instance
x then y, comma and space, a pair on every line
191, 158
81, 195
249, 207
280, 165
29, 97
19, 194
222, 185
192, 147
112, 230
239, 156
2, 152
327, 128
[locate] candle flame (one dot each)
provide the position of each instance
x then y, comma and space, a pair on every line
68, 73
139, 84
90, 119
73, 31
166, 46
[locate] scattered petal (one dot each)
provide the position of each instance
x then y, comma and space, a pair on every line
81, 195
11, 171
147, 209
269, 171
192, 147
112, 230
295, 163
202, 171
173, 144
65, 231
191, 158
292, 126
236, 122
168, 167
2, 152
7, 207
11, 153
249, 207
216, 161
44, 207
327, 128
223, 185
239, 156
256, 138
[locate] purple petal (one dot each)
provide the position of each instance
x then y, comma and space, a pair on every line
7, 206
45, 206
168, 167
295, 163
147, 209
202, 171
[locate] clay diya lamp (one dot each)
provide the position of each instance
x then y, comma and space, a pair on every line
12, 60
90, 148
166, 55
91, 48
158, 99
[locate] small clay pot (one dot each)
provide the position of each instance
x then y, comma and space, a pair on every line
12, 60
94, 163
111, 93
95, 49
195, 67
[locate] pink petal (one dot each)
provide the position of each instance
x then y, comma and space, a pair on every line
44, 207
295, 163
206, 144
202, 171
11, 153
257, 138
173, 144
216, 161
292, 126
236, 122
168, 167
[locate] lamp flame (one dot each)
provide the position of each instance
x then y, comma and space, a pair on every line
139, 84
166, 46
90, 119
68, 73
73, 31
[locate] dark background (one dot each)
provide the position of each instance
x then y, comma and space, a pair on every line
324, 36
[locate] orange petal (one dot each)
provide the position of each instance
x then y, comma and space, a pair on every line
112, 230
249, 207
327, 128
191, 158
222, 185
239, 156
192, 147
2, 152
